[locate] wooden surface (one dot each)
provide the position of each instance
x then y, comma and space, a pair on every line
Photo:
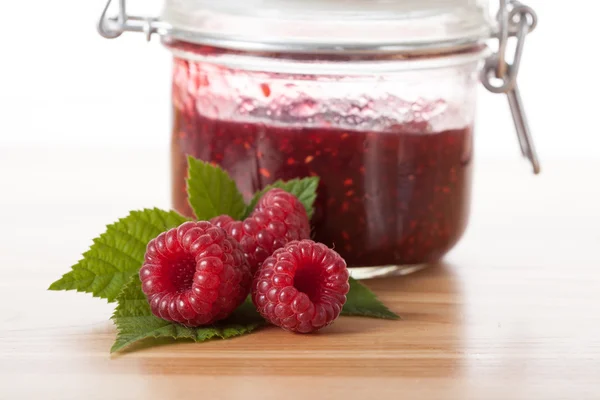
512, 313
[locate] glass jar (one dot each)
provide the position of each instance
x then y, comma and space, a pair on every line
283, 89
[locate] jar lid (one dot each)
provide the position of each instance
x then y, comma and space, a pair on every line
317, 26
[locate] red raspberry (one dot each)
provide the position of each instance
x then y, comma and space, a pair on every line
195, 274
301, 287
278, 218
281, 199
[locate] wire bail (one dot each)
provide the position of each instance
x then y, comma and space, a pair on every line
500, 76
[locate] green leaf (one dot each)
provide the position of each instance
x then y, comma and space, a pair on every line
361, 301
117, 254
135, 322
304, 189
212, 192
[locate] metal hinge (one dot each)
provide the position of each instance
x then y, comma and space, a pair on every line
112, 27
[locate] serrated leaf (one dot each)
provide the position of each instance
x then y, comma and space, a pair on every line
117, 254
304, 189
135, 322
212, 192
361, 301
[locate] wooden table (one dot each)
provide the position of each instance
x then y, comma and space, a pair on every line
512, 313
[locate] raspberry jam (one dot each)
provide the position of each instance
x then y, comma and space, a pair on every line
392, 196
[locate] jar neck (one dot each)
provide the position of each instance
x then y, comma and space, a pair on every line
326, 63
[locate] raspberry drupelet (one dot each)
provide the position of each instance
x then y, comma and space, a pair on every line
195, 274
302, 287
279, 218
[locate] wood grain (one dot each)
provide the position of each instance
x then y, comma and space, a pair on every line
512, 313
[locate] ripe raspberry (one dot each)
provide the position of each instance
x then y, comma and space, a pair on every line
278, 218
301, 287
281, 199
195, 274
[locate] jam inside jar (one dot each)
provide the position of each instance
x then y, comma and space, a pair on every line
391, 140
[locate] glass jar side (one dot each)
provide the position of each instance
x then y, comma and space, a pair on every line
393, 150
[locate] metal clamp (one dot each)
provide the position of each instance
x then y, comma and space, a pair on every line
514, 20
112, 27
498, 75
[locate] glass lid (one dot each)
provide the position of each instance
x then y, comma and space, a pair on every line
330, 25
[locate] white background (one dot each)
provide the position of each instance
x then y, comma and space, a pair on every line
62, 85
84, 137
